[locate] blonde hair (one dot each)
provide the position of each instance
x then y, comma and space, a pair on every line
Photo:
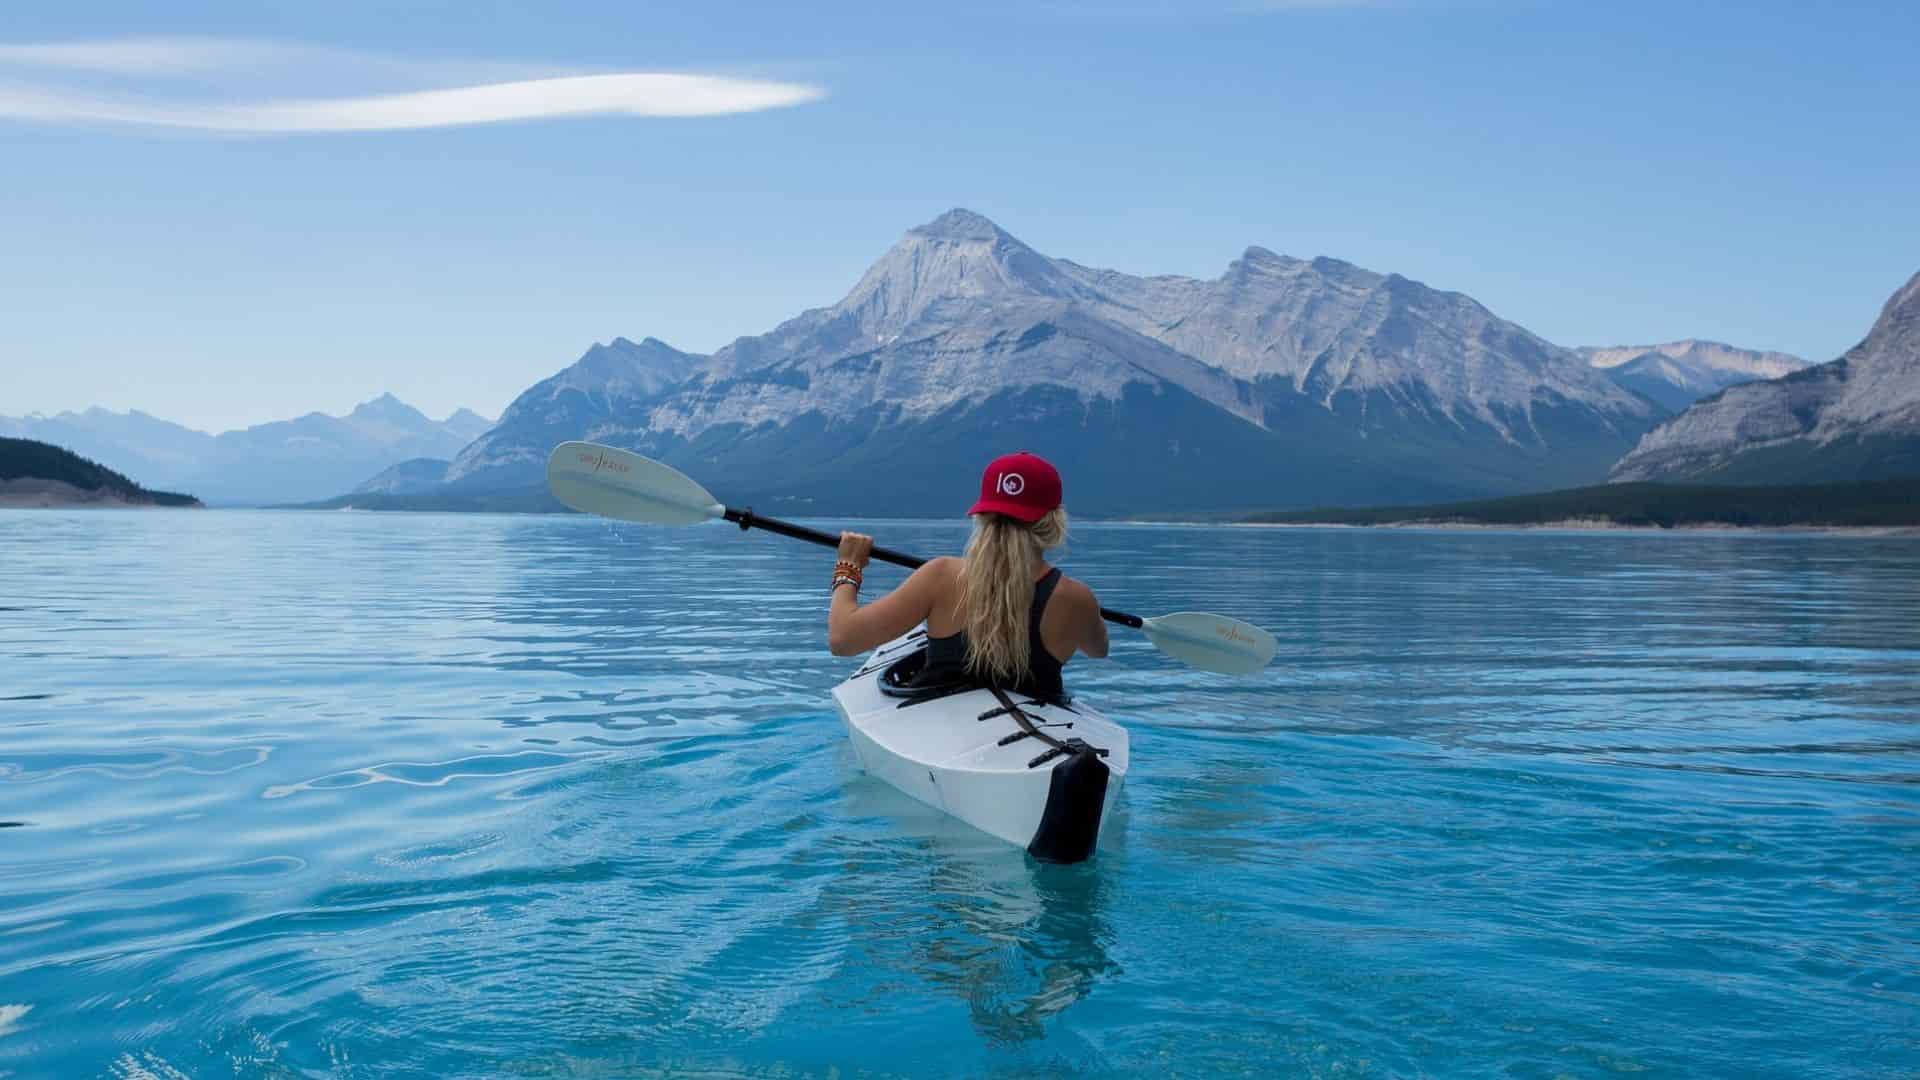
996, 590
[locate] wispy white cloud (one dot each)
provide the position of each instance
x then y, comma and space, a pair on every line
641, 94
233, 70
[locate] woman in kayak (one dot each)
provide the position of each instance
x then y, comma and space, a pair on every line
1001, 613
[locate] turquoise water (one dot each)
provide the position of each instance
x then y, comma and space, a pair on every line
356, 795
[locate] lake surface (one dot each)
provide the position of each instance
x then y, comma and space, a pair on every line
409, 795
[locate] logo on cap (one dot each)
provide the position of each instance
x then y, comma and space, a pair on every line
1021, 486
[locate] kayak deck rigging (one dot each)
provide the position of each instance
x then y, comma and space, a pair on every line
940, 743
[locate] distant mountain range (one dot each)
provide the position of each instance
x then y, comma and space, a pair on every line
287, 461
1679, 373
1854, 419
1283, 382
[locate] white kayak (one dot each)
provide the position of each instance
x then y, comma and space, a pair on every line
1039, 775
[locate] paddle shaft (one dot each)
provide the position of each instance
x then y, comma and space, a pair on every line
747, 519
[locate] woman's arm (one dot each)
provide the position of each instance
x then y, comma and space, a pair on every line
853, 629
1093, 640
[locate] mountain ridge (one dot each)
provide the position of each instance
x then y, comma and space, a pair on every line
576, 402
1853, 418
1678, 373
1286, 373
305, 457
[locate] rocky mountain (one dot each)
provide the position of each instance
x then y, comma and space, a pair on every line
602, 389
286, 461
1328, 330
1679, 373
1283, 382
1856, 418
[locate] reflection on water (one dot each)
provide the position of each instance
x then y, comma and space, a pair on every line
1017, 940
336, 794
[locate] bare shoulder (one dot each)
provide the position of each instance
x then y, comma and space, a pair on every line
939, 574
1075, 592
945, 567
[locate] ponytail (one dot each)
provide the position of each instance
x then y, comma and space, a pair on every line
996, 591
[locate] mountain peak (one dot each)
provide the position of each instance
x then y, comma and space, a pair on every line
1905, 302
627, 348
1890, 354
463, 419
1257, 260
960, 223
1341, 270
959, 256
619, 368
386, 407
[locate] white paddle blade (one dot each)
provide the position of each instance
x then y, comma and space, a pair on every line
615, 483
1212, 642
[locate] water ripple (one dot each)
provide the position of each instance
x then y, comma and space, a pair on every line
433, 796
431, 773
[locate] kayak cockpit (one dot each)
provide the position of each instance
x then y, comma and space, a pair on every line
1039, 774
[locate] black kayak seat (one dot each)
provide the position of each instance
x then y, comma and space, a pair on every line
906, 679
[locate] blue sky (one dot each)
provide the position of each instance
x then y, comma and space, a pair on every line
1598, 172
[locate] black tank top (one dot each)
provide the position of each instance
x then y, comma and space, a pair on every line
947, 656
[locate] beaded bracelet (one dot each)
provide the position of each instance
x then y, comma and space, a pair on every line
845, 573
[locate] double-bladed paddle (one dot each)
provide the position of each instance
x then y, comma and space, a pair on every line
620, 484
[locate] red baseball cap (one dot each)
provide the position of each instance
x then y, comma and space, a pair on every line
1022, 486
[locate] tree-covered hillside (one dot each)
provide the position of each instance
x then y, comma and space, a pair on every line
1880, 504
24, 462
